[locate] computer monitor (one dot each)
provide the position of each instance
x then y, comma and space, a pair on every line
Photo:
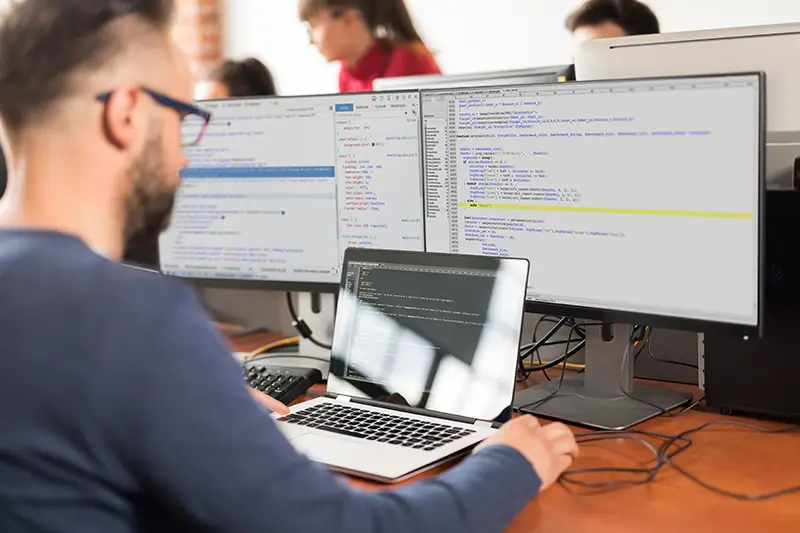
142, 252
278, 188
559, 73
636, 202
772, 49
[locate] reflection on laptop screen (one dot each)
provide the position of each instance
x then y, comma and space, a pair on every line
435, 337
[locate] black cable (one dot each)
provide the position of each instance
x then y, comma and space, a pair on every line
661, 411
542, 319
533, 349
649, 345
663, 457
639, 476
563, 363
301, 326
572, 351
526, 347
669, 459
547, 336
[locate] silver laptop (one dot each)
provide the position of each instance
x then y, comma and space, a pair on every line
423, 364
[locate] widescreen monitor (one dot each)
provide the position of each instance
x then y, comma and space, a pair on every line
278, 188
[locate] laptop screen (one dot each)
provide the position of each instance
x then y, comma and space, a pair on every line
431, 331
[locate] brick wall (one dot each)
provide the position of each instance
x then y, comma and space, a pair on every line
198, 31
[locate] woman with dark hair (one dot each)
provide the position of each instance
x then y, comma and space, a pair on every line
237, 78
370, 38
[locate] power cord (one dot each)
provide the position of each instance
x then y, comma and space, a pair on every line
669, 459
563, 362
643, 338
638, 476
671, 447
667, 361
531, 350
649, 347
301, 326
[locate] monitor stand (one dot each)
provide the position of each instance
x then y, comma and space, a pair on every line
597, 398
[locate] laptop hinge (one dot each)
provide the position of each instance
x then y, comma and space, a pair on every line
414, 410
343, 399
483, 424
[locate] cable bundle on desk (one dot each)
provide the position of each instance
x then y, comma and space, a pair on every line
664, 455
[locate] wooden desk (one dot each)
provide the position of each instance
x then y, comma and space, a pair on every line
738, 460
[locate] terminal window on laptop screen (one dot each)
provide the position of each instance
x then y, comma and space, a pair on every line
280, 187
439, 338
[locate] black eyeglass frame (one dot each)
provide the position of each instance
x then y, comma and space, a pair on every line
184, 109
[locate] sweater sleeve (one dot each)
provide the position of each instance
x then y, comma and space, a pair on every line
202, 447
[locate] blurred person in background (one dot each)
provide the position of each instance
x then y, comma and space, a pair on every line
603, 19
370, 38
232, 79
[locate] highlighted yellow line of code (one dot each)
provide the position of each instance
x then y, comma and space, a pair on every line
609, 210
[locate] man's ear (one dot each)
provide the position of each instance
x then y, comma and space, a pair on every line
120, 117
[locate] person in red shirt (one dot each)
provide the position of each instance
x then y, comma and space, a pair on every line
370, 38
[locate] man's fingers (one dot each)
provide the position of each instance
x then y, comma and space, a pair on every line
532, 421
561, 439
556, 430
269, 402
562, 463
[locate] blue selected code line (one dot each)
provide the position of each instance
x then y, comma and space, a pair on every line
259, 172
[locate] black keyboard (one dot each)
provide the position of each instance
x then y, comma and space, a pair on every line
377, 426
285, 384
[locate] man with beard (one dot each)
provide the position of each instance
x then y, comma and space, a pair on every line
121, 410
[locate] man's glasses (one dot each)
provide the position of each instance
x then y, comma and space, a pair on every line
194, 120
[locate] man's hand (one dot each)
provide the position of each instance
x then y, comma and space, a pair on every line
269, 402
550, 449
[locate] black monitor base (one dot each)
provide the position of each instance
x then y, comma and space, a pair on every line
575, 404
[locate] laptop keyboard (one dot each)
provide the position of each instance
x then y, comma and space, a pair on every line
377, 426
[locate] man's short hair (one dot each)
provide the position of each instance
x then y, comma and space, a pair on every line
46, 46
634, 17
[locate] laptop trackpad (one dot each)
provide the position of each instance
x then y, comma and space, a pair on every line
323, 449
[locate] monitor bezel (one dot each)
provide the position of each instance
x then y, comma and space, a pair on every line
608, 315
285, 285
429, 81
